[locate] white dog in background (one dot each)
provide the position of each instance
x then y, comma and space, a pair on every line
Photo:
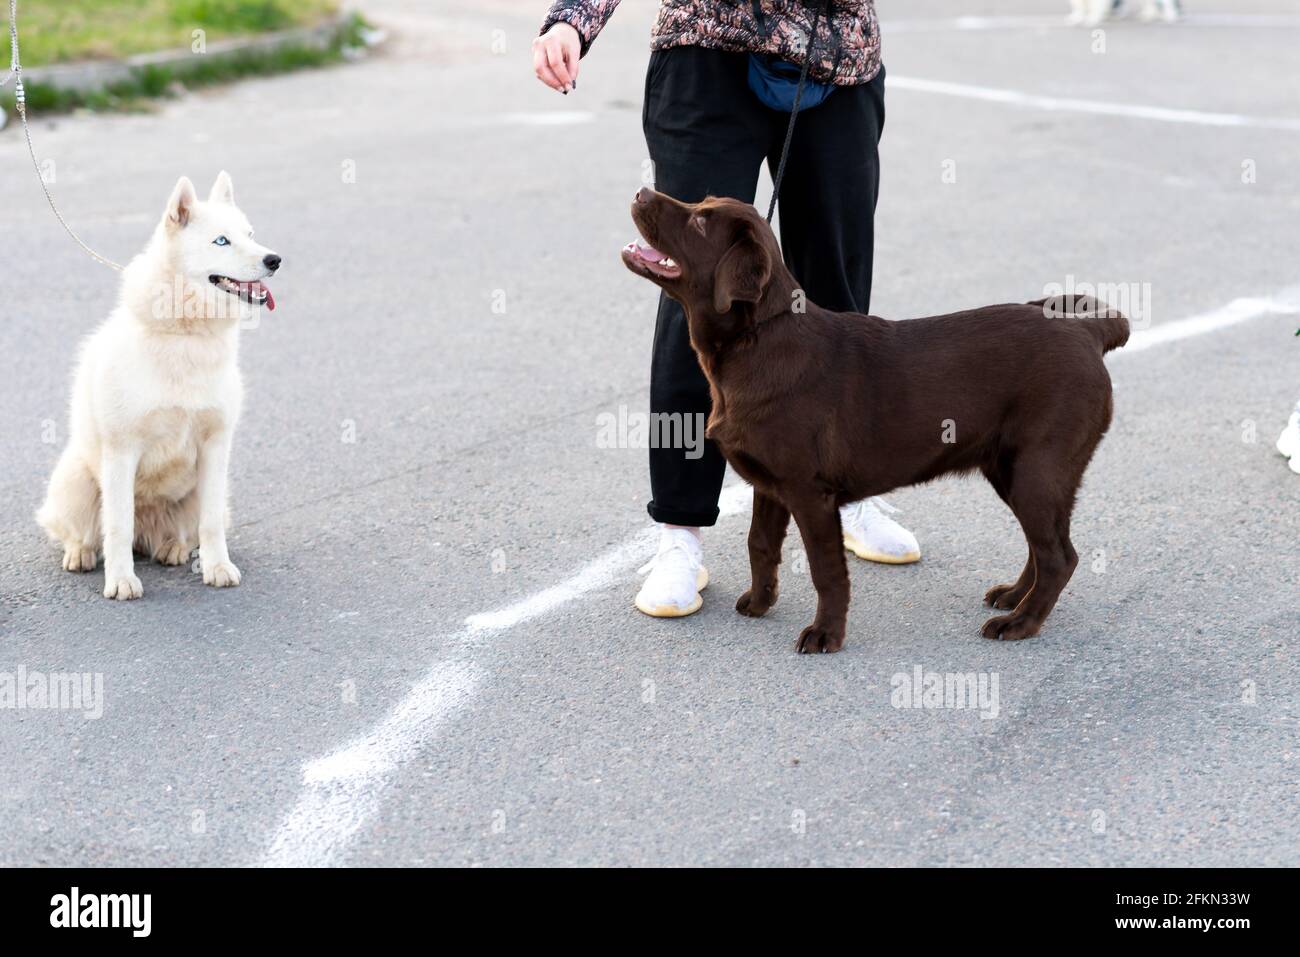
1093, 12
156, 397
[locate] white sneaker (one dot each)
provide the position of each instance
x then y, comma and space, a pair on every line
677, 576
1288, 443
870, 533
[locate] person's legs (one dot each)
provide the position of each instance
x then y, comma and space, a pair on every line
828, 196
828, 205
707, 136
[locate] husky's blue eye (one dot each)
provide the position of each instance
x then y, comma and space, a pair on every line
221, 241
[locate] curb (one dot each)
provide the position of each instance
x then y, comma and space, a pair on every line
93, 75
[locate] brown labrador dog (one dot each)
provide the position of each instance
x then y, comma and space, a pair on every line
817, 409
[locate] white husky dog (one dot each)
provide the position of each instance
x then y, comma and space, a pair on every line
1092, 12
156, 397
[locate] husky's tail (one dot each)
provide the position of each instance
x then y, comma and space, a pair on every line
1107, 324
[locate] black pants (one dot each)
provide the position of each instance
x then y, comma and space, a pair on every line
709, 135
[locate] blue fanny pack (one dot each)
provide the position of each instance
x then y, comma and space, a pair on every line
774, 81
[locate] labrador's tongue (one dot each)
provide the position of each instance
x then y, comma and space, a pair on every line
648, 253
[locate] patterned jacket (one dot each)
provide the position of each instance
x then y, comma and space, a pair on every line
847, 47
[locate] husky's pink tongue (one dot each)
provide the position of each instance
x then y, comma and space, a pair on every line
259, 289
648, 253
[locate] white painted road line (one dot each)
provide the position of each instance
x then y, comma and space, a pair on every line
1234, 313
542, 118
1050, 22
603, 571
344, 790
1064, 104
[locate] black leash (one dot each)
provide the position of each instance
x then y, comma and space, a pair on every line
794, 113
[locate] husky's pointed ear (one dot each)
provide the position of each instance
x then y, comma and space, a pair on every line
223, 190
743, 272
181, 205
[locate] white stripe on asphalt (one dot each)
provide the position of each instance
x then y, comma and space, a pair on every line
605, 570
973, 23
1065, 104
1235, 312
343, 790
543, 118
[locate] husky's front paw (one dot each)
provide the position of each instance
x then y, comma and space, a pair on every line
221, 575
172, 552
123, 587
78, 558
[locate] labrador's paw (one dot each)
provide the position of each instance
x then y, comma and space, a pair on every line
756, 607
1010, 627
815, 640
221, 575
123, 587
1004, 596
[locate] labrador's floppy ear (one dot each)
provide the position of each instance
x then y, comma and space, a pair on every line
223, 190
181, 204
743, 272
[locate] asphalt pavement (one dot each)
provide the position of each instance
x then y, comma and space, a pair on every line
433, 658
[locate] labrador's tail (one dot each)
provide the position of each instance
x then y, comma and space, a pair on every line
1107, 324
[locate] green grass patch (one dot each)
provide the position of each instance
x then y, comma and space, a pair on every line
60, 31
209, 69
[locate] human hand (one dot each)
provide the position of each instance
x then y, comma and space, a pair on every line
555, 57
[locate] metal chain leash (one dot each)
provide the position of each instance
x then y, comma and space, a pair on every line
13, 43
20, 103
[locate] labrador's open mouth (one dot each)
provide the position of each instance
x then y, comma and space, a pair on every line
254, 292
651, 260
